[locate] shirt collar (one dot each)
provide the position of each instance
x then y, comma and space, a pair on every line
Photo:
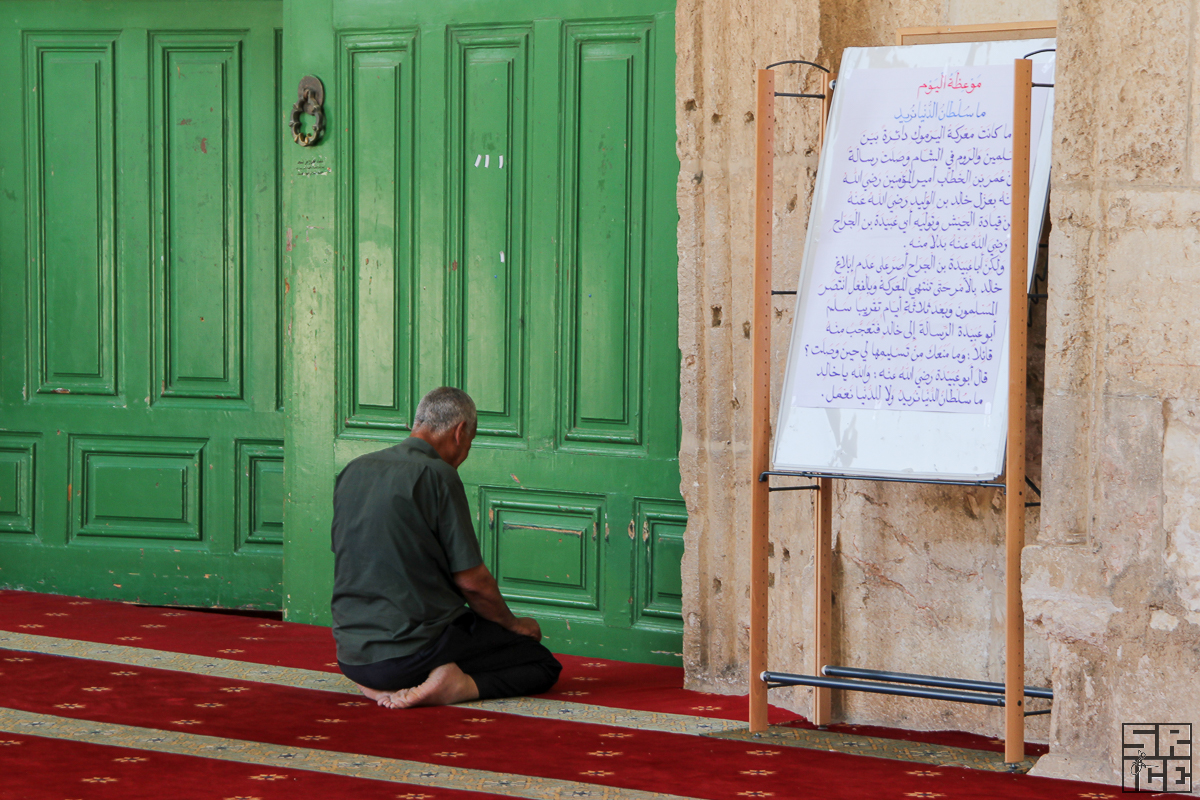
417, 443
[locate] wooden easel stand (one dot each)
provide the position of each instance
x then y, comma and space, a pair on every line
827, 677
1014, 468
760, 403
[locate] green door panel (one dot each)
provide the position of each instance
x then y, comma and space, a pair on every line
71, 328
377, 226
141, 440
545, 549
17, 486
658, 528
487, 143
604, 183
498, 214
196, 120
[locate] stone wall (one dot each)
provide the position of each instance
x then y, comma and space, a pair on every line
902, 551
719, 45
1113, 581
1113, 565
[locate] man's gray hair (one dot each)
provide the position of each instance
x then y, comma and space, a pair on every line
444, 408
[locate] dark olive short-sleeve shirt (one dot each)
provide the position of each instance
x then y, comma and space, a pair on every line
401, 528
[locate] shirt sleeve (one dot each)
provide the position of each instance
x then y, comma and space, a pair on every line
455, 528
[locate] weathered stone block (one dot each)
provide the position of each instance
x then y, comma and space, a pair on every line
979, 12
1128, 483
1142, 103
1067, 469
1181, 507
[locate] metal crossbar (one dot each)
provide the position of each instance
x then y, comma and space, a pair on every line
931, 680
904, 684
775, 679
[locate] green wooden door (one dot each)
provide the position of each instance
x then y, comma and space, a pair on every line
141, 437
494, 208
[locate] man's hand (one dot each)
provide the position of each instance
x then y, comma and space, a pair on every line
527, 626
483, 596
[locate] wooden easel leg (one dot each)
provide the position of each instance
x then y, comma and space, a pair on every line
1014, 506
822, 595
760, 408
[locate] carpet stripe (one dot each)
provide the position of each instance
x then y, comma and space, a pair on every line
179, 662
602, 715
411, 773
898, 749
330, 682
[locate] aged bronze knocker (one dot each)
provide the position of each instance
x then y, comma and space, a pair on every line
312, 102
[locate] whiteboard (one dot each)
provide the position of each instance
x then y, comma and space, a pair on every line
898, 362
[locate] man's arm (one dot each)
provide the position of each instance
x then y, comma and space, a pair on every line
484, 598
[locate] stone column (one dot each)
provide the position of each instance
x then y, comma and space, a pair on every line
1113, 581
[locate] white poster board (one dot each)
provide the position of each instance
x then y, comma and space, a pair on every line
898, 363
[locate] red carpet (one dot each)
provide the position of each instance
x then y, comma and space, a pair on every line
537, 753
640, 687
36, 767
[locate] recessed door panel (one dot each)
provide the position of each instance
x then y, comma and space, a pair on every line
545, 546
604, 186
487, 91
18, 482
378, 90
71, 213
137, 488
658, 528
197, 107
260, 496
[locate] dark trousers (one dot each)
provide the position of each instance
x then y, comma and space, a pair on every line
502, 663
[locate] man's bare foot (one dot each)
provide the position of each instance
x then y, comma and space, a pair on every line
374, 694
445, 686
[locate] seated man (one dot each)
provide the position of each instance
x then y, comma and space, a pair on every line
406, 562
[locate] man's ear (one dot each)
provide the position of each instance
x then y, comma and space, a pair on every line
462, 432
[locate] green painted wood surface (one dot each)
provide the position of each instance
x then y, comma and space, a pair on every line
494, 207
140, 438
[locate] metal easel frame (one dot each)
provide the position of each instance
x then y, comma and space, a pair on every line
1009, 695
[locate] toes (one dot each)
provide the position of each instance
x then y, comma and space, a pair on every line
372, 694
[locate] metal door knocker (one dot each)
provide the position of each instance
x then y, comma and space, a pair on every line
312, 102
